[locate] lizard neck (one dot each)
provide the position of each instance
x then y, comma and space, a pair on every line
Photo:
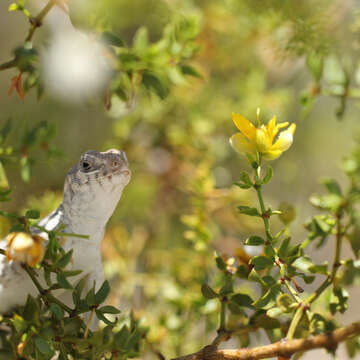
87, 215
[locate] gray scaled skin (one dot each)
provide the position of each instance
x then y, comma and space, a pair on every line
92, 190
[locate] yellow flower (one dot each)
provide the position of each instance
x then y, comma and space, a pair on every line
260, 139
25, 248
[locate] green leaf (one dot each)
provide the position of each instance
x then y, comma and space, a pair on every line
249, 211
191, 71
274, 312
319, 269
102, 317
332, 186
32, 214
19, 323
235, 309
133, 340
268, 175
57, 311
303, 263
254, 241
220, 263
228, 287
13, 7
43, 346
65, 259
112, 39
261, 262
208, 292
90, 297
141, 39
338, 300
109, 310
31, 309
153, 82
63, 282
121, 337
268, 300
283, 248
242, 300
103, 292
266, 322
326, 202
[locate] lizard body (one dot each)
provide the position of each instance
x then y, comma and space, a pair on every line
92, 190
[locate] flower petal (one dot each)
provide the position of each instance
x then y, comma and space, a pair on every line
285, 139
244, 125
271, 127
272, 154
262, 140
240, 144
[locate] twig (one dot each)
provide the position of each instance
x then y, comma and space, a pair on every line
45, 294
2, 252
283, 348
35, 22
326, 283
89, 323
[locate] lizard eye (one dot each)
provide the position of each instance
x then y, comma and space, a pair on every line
85, 166
115, 163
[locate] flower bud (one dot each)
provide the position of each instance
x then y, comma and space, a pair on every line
25, 248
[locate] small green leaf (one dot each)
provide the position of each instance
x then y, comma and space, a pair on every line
153, 82
208, 292
220, 263
103, 292
63, 282
338, 300
274, 312
32, 214
254, 241
268, 300
13, 7
109, 310
43, 346
228, 287
57, 311
268, 175
261, 262
65, 259
112, 39
191, 71
249, 211
102, 317
332, 186
319, 269
242, 300
121, 337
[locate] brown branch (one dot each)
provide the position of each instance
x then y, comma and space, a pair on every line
35, 22
283, 348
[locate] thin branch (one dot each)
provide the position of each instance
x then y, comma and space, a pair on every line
35, 22
45, 294
283, 348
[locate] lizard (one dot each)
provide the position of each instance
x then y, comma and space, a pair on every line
92, 189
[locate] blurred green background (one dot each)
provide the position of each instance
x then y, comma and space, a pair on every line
181, 205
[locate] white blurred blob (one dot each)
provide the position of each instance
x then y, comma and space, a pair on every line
74, 69
253, 250
159, 161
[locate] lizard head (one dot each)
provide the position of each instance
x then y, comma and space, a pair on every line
94, 185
